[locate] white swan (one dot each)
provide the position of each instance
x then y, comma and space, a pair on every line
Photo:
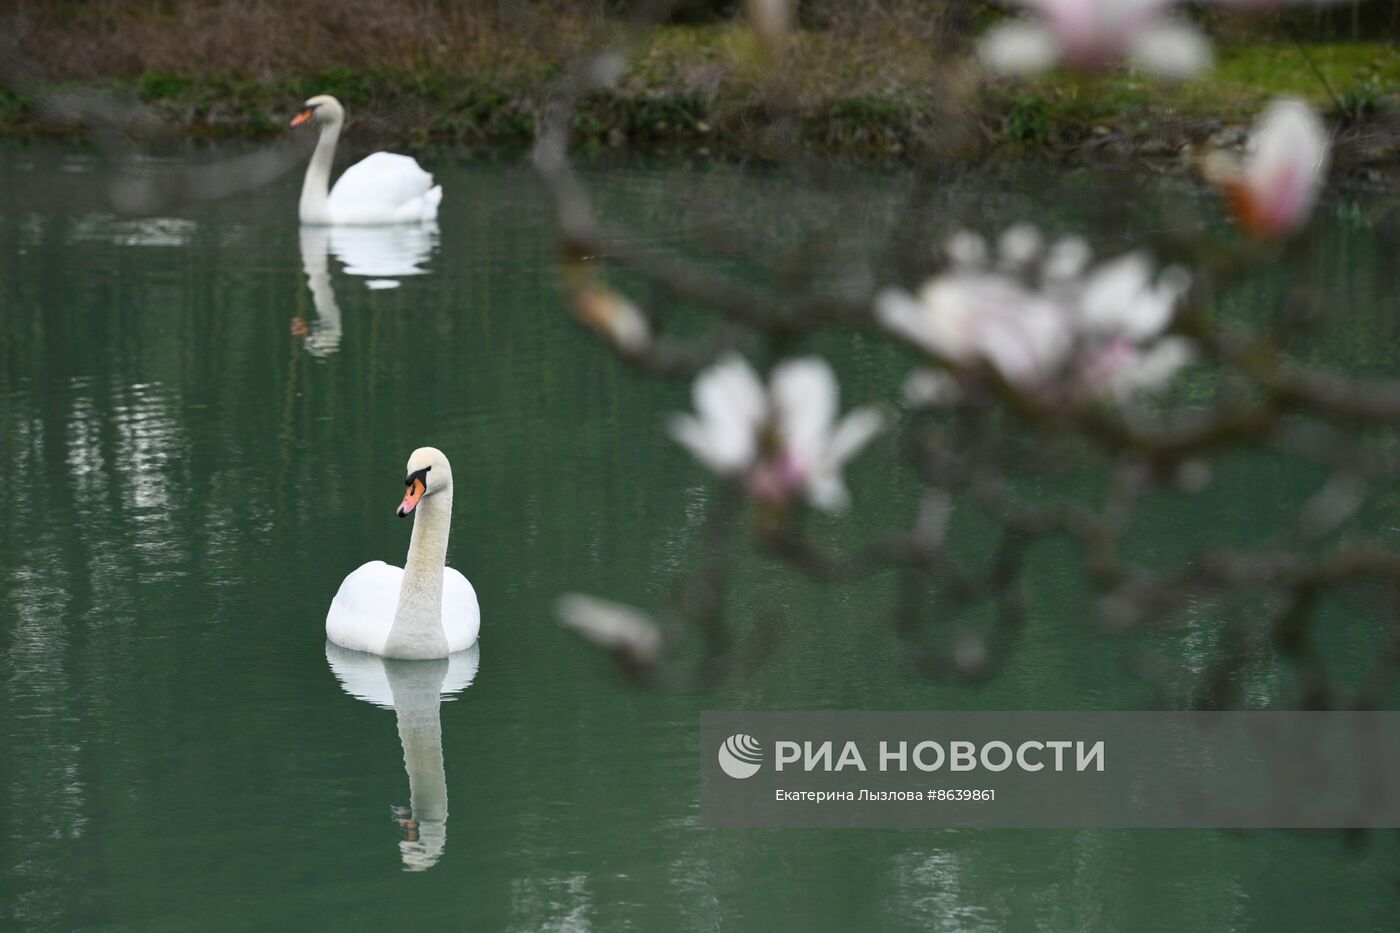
382, 188
426, 609
414, 690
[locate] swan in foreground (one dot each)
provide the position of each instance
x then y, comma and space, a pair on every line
382, 188
414, 690
424, 610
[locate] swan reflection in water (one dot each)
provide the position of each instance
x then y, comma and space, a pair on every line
414, 691
380, 255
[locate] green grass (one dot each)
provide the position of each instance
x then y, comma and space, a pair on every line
1365, 74
714, 86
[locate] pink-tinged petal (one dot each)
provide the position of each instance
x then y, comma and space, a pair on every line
805, 396
1284, 167
775, 480
1028, 342
1171, 50
1093, 34
1118, 369
1018, 48
958, 310
966, 317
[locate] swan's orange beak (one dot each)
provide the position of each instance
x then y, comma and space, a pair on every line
302, 117
416, 488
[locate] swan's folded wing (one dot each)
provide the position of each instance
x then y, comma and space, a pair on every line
461, 616
363, 609
376, 188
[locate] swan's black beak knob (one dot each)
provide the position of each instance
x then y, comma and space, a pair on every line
417, 485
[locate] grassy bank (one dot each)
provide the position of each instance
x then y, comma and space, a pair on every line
412, 73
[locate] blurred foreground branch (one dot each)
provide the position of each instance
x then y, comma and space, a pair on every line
1039, 364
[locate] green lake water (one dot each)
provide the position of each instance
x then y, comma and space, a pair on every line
189, 473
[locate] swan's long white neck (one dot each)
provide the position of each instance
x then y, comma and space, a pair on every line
315, 188
417, 631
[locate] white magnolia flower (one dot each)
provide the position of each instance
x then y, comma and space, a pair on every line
1095, 34
1275, 187
1085, 330
968, 316
780, 440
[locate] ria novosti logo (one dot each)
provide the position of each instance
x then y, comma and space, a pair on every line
740, 756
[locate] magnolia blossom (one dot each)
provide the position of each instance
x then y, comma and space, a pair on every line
780, 440
1273, 189
968, 316
1096, 34
1077, 330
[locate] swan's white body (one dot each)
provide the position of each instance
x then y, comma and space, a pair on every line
424, 609
382, 188
363, 612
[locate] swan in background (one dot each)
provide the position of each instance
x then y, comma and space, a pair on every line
382, 188
414, 690
426, 609
382, 254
